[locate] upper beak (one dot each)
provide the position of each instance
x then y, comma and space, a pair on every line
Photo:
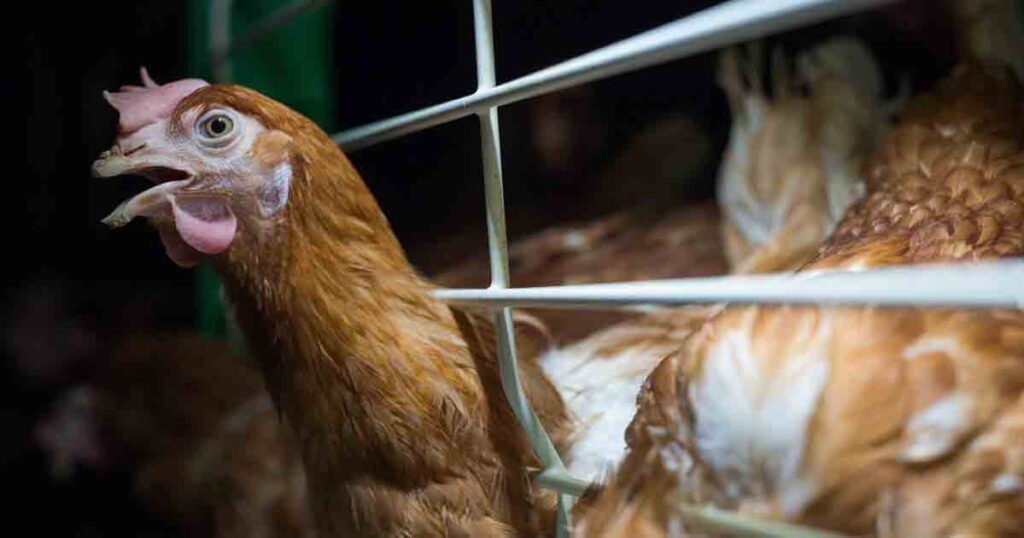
110, 164
167, 173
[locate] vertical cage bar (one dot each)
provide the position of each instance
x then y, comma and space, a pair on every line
490, 140
491, 146
263, 27
220, 39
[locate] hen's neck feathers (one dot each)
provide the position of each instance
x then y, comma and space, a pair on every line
343, 325
383, 386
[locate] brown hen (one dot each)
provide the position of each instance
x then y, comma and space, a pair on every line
862, 420
393, 398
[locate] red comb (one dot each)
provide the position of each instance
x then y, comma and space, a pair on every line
139, 106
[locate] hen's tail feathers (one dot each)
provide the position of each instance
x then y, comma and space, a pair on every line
991, 32
739, 74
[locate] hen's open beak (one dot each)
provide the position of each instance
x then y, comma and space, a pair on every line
153, 203
193, 215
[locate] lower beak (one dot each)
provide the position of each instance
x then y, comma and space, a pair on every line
154, 202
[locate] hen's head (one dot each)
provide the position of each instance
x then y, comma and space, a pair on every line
219, 167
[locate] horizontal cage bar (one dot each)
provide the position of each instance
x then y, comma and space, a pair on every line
726, 24
997, 284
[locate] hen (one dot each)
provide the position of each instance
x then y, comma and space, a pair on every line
898, 421
198, 430
394, 399
792, 165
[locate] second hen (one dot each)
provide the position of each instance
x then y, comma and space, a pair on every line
861, 420
198, 430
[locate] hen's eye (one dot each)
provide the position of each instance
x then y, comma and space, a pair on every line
217, 129
218, 126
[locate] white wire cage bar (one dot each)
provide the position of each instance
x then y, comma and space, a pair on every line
490, 139
998, 284
993, 284
725, 24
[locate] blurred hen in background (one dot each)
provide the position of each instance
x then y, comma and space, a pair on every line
794, 161
186, 414
901, 422
197, 425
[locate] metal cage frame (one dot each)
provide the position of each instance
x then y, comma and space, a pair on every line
996, 284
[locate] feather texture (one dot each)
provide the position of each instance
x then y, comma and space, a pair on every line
859, 420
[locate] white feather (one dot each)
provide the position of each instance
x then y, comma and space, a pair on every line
1007, 483
934, 431
600, 393
946, 345
751, 423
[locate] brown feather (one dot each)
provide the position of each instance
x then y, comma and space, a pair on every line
393, 398
916, 431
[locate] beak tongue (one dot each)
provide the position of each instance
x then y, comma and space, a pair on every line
154, 202
205, 223
190, 224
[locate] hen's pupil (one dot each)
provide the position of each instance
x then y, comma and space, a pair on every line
218, 126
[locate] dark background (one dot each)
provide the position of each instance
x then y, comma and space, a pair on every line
71, 285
